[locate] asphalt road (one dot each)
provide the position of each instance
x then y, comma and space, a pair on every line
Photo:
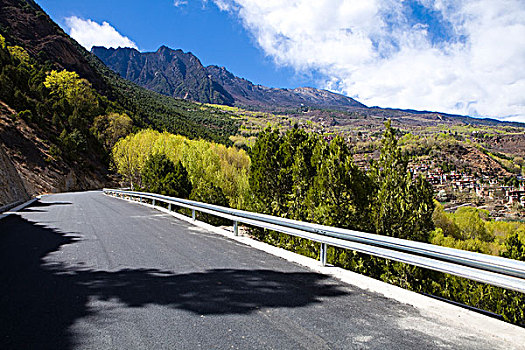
86, 271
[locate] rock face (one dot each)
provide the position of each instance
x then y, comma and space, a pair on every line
25, 166
179, 74
12, 188
169, 72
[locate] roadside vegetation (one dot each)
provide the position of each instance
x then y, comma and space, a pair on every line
210, 167
300, 175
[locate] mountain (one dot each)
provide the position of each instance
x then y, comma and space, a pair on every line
179, 74
246, 94
169, 72
24, 23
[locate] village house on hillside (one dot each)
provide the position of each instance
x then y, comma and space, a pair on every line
488, 191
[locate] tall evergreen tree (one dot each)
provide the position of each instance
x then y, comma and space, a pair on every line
403, 205
341, 192
265, 185
303, 173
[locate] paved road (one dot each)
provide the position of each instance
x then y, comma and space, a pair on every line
86, 271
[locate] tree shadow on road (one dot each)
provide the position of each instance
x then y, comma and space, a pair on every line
40, 204
41, 300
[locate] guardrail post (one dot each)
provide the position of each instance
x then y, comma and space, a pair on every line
235, 228
193, 214
169, 206
153, 201
140, 199
322, 254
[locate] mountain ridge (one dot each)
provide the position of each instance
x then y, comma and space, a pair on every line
164, 71
181, 74
224, 87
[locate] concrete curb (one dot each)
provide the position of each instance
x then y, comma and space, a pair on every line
479, 325
20, 207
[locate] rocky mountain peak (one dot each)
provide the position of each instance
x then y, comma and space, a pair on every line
182, 75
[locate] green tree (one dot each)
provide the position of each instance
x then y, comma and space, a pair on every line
78, 94
64, 84
471, 224
403, 205
445, 222
303, 172
340, 194
511, 304
514, 248
19, 54
265, 186
109, 128
72, 143
281, 172
161, 175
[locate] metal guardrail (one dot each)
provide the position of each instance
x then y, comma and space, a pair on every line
506, 273
8, 206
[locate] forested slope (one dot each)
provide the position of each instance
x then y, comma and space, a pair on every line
62, 109
24, 23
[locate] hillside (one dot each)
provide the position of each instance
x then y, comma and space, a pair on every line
179, 74
23, 23
246, 94
29, 168
477, 146
53, 136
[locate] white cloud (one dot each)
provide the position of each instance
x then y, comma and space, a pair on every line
89, 33
375, 51
179, 3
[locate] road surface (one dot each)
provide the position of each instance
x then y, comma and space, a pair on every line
87, 271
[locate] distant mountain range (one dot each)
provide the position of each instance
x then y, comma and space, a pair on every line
179, 74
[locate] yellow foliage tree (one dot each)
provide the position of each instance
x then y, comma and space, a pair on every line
19, 53
77, 91
206, 162
111, 127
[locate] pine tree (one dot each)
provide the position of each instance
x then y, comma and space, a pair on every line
403, 205
303, 173
514, 248
340, 194
266, 189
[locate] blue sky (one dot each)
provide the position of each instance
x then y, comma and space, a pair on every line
215, 37
454, 56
